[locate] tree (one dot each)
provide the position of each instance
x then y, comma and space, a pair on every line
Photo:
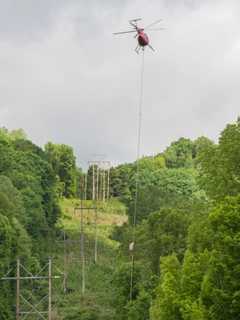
121, 283
139, 308
180, 154
221, 288
6, 234
193, 270
166, 305
219, 164
63, 163
11, 203
162, 234
14, 240
163, 188
120, 183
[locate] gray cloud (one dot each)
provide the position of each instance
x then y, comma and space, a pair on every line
65, 78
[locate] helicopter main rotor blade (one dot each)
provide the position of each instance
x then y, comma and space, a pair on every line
124, 32
134, 22
152, 24
157, 29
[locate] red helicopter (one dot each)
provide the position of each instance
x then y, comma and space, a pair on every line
141, 36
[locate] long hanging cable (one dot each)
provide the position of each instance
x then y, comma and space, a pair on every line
139, 139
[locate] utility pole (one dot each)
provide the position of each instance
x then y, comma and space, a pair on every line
93, 182
50, 289
82, 252
65, 263
99, 192
32, 309
82, 242
108, 184
86, 176
101, 187
104, 186
96, 237
97, 183
18, 291
131, 250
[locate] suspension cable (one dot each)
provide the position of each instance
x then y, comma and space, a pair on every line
139, 140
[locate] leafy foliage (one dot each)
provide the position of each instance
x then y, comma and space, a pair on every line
187, 237
188, 230
63, 163
219, 164
28, 205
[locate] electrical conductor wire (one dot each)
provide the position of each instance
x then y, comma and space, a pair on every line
139, 139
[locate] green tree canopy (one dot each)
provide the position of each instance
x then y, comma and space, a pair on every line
63, 163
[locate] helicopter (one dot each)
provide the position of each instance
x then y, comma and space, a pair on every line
142, 37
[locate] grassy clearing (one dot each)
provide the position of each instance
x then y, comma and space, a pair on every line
97, 300
107, 215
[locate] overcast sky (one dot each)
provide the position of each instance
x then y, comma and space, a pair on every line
65, 78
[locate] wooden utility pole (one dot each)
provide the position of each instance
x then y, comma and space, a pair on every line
65, 263
131, 277
32, 309
81, 208
108, 184
93, 182
100, 185
104, 185
82, 252
50, 289
86, 176
96, 237
18, 291
101, 179
97, 198
131, 250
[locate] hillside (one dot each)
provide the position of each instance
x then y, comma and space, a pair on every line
186, 250
96, 301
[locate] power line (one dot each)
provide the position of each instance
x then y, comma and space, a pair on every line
100, 179
81, 208
139, 137
21, 301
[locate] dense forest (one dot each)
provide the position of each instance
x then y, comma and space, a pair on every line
32, 181
187, 236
